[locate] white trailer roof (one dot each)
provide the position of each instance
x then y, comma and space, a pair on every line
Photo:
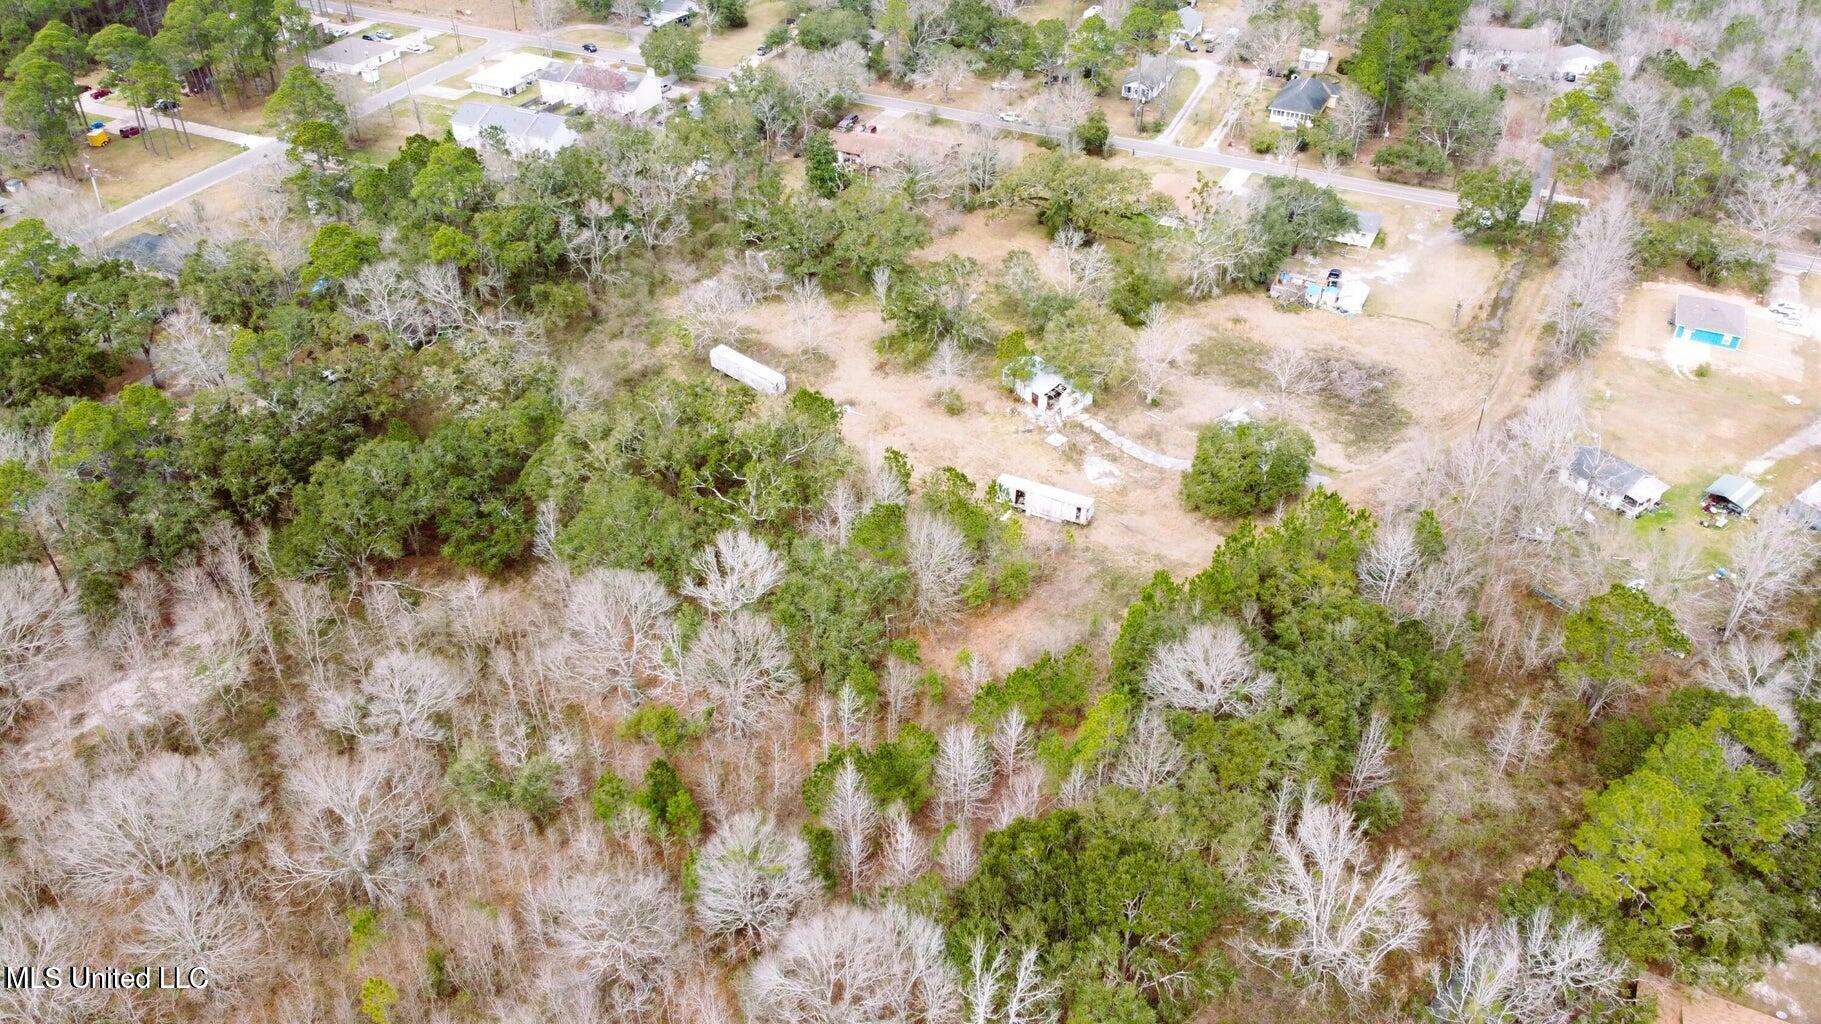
1011, 483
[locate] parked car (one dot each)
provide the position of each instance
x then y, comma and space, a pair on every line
101, 94
166, 106
1333, 276
590, 48
1010, 116
383, 33
848, 123
415, 48
368, 36
761, 51
130, 131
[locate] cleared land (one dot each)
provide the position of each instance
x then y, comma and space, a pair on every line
126, 170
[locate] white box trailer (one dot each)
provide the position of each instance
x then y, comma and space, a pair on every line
1046, 502
746, 370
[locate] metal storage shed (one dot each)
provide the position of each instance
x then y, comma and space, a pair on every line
1735, 493
1807, 506
1044, 501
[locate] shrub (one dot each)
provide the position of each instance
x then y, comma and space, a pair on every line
1246, 467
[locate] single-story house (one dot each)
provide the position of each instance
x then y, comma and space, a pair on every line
869, 149
1191, 23
1807, 506
747, 370
1709, 321
678, 11
1367, 233
1300, 101
522, 131
509, 75
1044, 501
157, 254
1148, 79
1733, 493
600, 88
1577, 61
1311, 59
1039, 386
353, 56
1613, 482
1522, 50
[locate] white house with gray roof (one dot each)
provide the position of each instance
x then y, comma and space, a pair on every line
1612, 482
521, 131
600, 88
1300, 101
354, 56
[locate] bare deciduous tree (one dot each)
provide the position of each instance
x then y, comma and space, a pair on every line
709, 311
1158, 351
1773, 563
134, 827
1210, 669
964, 770
356, 826
996, 991
1536, 971
1757, 669
905, 852
1372, 761
1521, 737
41, 939
1011, 740
617, 626
939, 561
1594, 274
742, 665
41, 628
1336, 915
751, 879
734, 571
623, 929
206, 925
943, 70
1150, 756
1389, 563
810, 315
1218, 242
882, 965
407, 695
853, 817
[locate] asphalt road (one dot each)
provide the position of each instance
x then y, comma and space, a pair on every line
494, 40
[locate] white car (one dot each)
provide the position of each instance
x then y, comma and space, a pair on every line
415, 48
383, 33
1011, 117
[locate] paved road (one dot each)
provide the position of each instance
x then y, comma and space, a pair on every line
496, 40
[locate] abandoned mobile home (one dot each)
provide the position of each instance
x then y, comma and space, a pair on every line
1044, 390
747, 370
1044, 501
1612, 482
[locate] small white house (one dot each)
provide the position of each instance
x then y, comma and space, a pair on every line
1310, 59
509, 75
1370, 224
1301, 101
747, 370
600, 88
1045, 390
1576, 62
1612, 482
354, 56
522, 131
669, 11
1044, 501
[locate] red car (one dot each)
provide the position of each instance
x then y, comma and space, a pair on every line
101, 94
130, 130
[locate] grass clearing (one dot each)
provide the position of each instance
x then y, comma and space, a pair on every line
384, 134
126, 170
726, 49
599, 37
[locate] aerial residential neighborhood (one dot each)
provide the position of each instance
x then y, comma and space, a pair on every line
910, 512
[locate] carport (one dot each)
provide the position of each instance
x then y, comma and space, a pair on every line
1734, 494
